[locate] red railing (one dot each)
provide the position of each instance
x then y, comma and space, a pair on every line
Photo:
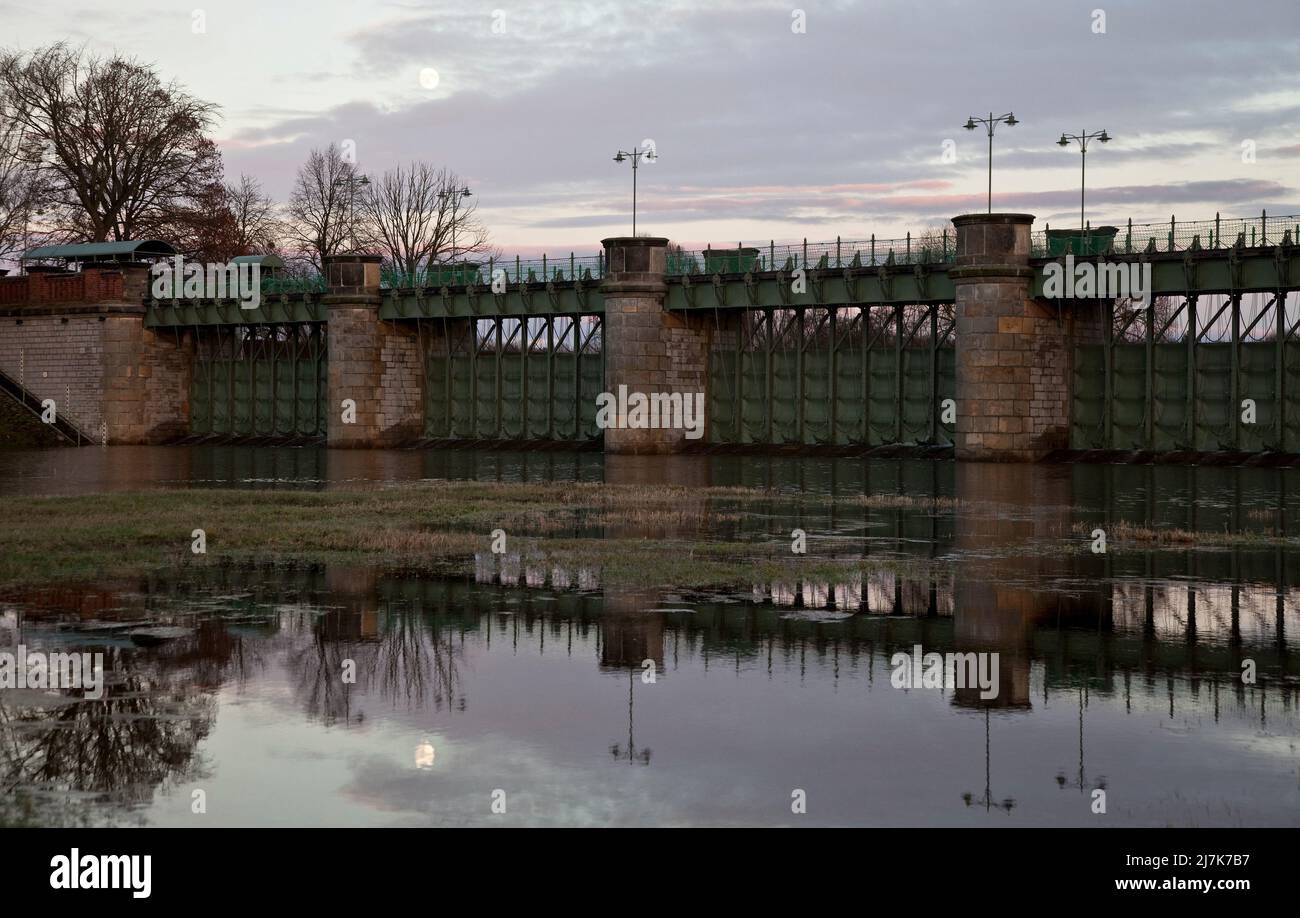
92, 285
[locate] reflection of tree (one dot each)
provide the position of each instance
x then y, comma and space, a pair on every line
118, 750
408, 662
404, 662
318, 670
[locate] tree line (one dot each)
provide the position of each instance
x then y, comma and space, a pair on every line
96, 149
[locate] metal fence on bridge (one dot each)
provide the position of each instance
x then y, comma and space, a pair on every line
1179, 236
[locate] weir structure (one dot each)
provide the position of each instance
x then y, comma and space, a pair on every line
945, 343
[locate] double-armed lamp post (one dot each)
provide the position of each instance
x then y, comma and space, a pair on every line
635, 156
455, 194
1082, 141
990, 123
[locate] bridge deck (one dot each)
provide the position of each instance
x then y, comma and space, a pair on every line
1230, 271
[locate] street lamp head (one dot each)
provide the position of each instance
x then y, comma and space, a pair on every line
1011, 120
970, 124
652, 155
620, 158
365, 180
1063, 142
1104, 138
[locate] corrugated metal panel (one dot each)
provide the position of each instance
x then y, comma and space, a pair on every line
850, 411
1219, 423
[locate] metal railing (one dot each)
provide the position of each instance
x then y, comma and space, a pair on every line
930, 248
512, 271
276, 285
937, 248
1178, 236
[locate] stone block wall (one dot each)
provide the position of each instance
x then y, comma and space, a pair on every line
1015, 365
147, 377
58, 357
354, 373
108, 375
401, 383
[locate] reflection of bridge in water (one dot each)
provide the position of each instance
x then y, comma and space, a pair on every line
1104, 634
1161, 646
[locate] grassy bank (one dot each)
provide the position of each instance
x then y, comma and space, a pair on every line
634, 535
1124, 534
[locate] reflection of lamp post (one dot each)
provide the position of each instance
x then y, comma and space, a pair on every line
632, 753
990, 123
987, 800
1082, 141
455, 194
1061, 781
636, 160
424, 755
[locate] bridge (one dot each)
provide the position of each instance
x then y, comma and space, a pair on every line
846, 344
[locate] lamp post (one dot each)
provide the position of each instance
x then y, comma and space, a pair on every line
635, 156
455, 194
352, 181
1082, 141
1009, 119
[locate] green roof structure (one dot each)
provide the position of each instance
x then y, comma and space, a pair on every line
95, 252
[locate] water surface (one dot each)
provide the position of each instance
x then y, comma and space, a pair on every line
1119, 672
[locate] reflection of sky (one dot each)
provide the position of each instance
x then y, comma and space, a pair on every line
762, 133
728, 742
728, 747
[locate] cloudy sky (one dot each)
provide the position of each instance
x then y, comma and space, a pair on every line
762, 131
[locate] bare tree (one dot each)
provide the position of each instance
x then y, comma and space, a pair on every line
118, 148
319, 207
1129, 318
256, 227
417, 216
225, 220
20, 188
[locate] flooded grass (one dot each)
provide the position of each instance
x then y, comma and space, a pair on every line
1123, 533
904, 501
638, 535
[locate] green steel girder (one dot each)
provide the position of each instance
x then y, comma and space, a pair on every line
1214, 271
1226, 271
275, 310
872, 286
553, 298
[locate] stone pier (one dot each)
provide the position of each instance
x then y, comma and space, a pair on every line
648, 349
1014, 351
374, 365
